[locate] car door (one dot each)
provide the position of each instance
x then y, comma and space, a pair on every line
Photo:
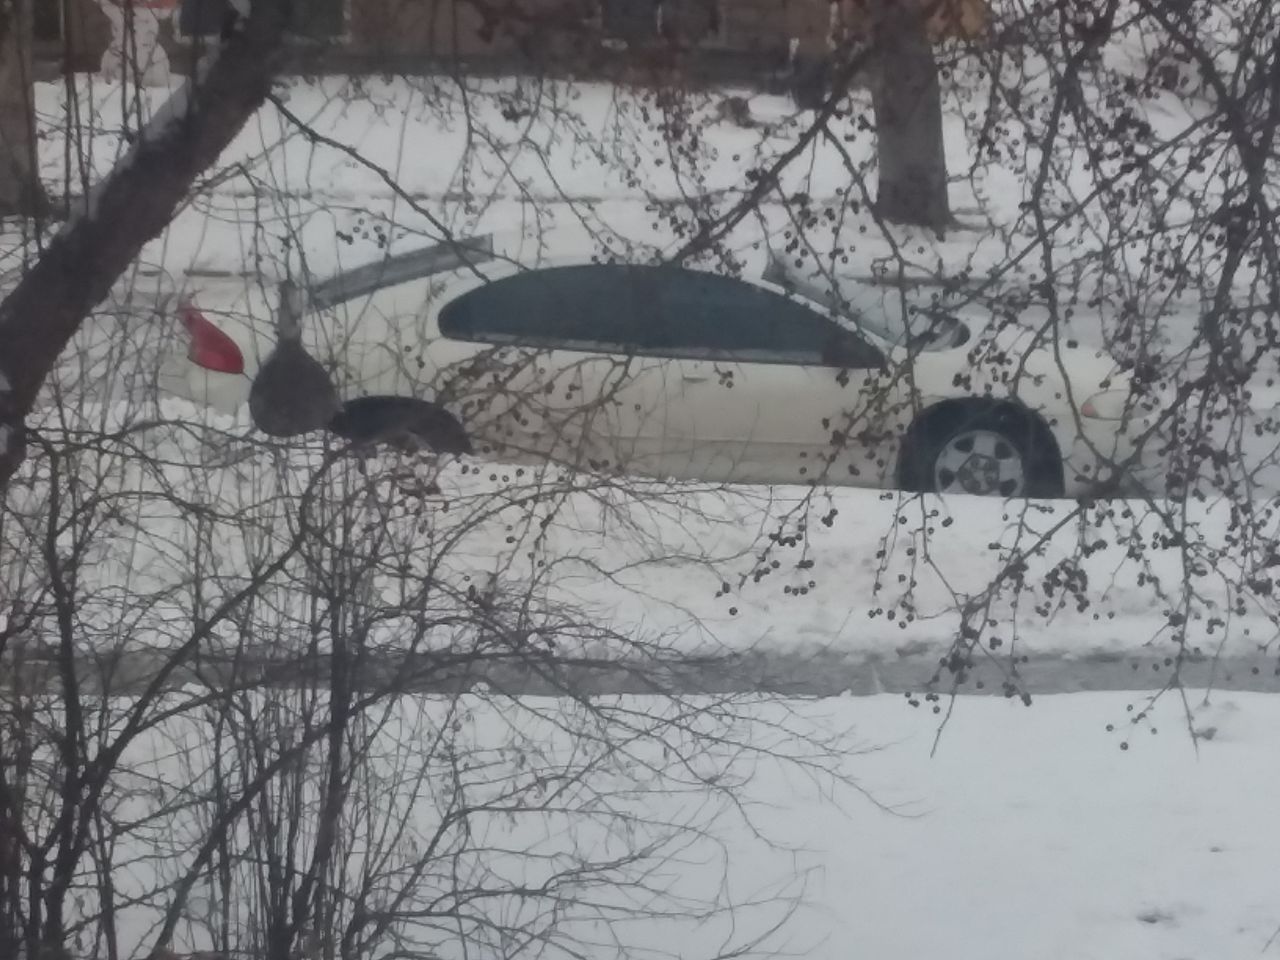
557, 372
764, 388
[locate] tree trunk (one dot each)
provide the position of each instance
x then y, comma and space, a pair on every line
20, 192
907, 99
129, 207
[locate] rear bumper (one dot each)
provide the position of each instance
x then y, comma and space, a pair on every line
224, 392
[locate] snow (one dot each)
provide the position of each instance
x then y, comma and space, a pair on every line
1039, 837
1022, 834
833, 588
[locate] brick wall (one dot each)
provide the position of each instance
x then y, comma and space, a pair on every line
548, 28
560, 35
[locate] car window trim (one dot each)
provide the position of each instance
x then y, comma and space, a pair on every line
606, 348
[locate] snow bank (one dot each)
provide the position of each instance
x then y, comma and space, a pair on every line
608, 567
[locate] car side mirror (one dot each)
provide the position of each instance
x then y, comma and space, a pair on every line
944, 331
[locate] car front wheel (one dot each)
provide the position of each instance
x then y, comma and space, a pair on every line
992, 453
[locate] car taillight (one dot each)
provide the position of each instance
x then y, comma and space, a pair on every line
210, 348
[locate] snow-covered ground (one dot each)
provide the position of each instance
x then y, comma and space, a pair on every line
1060, 832
1038, 837
1032, 834
867, 586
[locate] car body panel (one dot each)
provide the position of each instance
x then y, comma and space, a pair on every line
686, 417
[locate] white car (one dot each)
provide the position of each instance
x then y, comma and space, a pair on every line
674, 372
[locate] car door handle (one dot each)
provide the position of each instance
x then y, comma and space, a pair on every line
695, 379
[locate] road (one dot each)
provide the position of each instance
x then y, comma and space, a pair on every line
792, 675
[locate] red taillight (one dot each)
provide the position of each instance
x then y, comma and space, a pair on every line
210, 347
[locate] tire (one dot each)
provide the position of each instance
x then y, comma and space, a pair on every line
401, 422
983, 450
